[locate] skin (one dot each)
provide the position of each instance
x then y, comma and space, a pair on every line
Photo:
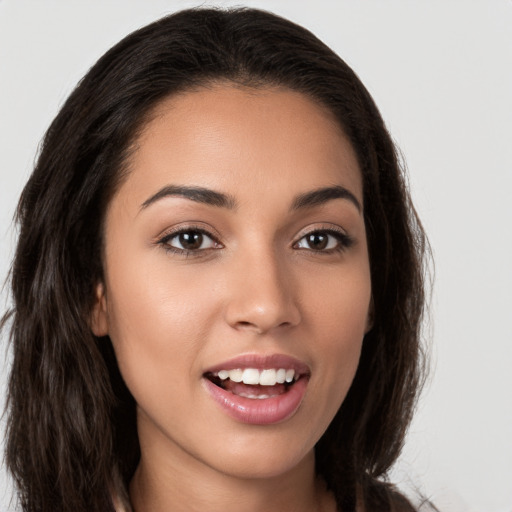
255, 287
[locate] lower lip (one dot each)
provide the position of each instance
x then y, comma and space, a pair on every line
259, 412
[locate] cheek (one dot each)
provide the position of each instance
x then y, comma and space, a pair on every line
156, 341
151, 296
339, 317
157, 319
339, 303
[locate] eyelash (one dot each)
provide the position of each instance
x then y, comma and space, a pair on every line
166, 239
343, 240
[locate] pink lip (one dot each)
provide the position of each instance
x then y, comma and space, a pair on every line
265, 411
261, 362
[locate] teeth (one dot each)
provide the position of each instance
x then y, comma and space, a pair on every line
253, 376
268, 378
256, 397
236, 375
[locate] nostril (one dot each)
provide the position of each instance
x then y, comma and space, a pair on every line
244, 324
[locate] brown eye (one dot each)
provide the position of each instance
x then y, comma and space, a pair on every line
324, 241
317, 241
189, 240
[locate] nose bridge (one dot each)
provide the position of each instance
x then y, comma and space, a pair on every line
261, 294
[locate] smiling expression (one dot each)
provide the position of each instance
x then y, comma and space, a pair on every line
237, 283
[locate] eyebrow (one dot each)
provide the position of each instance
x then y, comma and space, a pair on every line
198, 194
218, 199
323, 195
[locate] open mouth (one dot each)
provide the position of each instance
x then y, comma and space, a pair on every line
254, 383
258, 389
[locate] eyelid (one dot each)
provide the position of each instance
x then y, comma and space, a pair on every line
184, 227
188, 226
345, 240
320, 226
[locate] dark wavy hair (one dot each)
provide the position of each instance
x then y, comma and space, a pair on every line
71, 434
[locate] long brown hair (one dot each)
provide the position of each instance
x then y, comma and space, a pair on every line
71, 434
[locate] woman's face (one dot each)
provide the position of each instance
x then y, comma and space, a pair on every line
236, 258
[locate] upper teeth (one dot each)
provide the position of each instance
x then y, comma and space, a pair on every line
254, 376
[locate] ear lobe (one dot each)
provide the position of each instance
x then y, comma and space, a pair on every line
98, 320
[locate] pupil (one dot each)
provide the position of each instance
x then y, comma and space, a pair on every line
317, 241
191, 240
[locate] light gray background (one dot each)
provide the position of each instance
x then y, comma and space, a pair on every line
441, 72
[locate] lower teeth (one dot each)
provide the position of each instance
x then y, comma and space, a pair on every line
258, 397
262, 396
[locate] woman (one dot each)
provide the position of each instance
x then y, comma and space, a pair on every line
218, 283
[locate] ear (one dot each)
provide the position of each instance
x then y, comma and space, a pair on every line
370, 317
99, 320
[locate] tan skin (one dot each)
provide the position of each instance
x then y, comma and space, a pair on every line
263, 275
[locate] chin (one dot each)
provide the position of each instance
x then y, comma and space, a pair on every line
260, 464
267, 452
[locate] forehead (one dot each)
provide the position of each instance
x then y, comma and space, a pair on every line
242, 140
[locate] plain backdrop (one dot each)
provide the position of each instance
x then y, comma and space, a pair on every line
441, 73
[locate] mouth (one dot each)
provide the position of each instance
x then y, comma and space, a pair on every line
254, 383
258, 389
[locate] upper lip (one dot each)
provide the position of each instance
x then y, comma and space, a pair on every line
261, 362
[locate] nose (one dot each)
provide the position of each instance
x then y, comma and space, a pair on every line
261, 295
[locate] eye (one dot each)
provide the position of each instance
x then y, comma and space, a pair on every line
189, 240
324, 241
